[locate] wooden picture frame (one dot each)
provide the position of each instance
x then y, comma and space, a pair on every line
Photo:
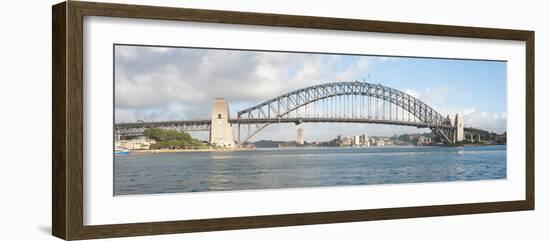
67, 122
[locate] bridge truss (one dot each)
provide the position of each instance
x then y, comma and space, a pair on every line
344, 102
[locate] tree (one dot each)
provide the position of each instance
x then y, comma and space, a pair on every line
171, 139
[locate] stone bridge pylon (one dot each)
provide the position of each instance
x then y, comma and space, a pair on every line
221, 130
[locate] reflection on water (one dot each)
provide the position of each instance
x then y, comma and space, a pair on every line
304, 167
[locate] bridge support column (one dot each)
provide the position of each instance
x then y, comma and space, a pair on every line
221, 131
452, 130
459, 128
239, 135
454, 135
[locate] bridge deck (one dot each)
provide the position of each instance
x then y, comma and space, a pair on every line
299, 120
162, 124
203, 124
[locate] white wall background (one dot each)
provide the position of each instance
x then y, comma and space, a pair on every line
25, 120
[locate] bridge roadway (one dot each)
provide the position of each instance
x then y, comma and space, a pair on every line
204, 124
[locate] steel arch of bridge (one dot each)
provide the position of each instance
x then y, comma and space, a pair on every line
282, 108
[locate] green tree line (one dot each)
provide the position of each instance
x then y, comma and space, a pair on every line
172, 139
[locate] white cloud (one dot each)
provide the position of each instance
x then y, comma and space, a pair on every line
127, 52
436, 98
355, 71
160, 49
149, 78
432, 96
490, 121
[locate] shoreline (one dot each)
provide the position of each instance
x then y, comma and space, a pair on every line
476, 144
256, 148
189, 150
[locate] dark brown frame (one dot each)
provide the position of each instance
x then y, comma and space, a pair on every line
67, 121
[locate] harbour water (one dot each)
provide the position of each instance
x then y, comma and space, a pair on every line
147, 173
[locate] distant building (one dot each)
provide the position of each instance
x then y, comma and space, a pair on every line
140, 143
364, 139
300, 138
339, 139
345, 141
424, 140
356, 141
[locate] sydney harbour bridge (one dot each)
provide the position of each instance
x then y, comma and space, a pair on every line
340, 102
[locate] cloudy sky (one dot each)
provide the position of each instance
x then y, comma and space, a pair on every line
154, 84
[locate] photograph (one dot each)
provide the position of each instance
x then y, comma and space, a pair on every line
263, 120
193, 119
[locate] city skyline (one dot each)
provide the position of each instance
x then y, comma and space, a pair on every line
154, 84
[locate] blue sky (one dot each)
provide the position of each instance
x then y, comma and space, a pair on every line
472, 83
153, 84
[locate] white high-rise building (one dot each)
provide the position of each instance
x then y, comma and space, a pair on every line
356, 141
364, 140
300, 138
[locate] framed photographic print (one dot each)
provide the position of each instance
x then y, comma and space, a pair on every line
170, 120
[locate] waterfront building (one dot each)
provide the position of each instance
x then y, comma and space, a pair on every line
140, 143
424, 140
